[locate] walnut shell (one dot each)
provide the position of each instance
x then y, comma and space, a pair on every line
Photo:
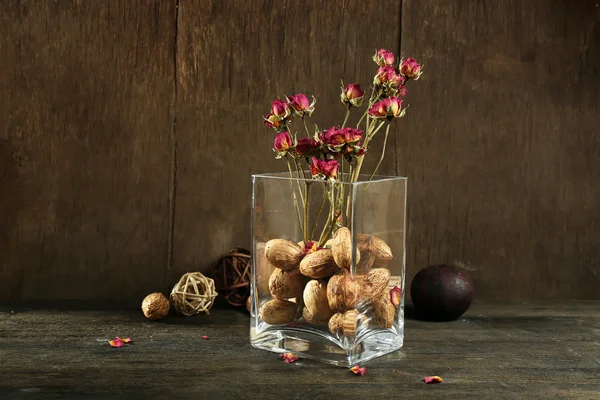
285, 285
318, 264
378, 248
384, 311
155, 306
263, 268
341, 249
375, 282
277, 312
315, 301
284, 254
343, 292
344, 324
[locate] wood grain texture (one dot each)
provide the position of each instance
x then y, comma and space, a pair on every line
502, 146
233, 59
497, 351
86, 117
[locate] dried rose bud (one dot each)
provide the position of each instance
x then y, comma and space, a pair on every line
384, 57
272, 121
301, 105
389, 108
388, 74
282, 143
352, 95
352, 135
411, 69
396, 296
281, 109
307, 147
326, 169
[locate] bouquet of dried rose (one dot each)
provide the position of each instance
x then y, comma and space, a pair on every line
336, 154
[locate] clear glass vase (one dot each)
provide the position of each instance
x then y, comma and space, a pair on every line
328, 266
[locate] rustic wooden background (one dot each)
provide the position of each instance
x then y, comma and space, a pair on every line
129, 130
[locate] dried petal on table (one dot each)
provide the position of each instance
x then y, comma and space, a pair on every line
116, 343
126, 340
432, 379
289, 357
204, 337
358, 370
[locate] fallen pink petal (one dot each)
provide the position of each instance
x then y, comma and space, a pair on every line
126, 340
432, 379
116, 343
358, 370
289, 357
204, 337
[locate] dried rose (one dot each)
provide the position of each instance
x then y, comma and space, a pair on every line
396, 296
280, 109
389, 108
411, 69
324, 169
333, 138
358, 370
384, 57
307, 147
282, 143
289, 357
352, 95
301, 105
388, 75
272, 121
352, 135
432, 379
311, 247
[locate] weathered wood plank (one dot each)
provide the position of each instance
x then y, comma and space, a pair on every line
502, 146
529, 353
233, 59
87, 96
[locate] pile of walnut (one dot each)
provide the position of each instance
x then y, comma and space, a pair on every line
319, 288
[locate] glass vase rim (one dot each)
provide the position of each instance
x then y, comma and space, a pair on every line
285, 176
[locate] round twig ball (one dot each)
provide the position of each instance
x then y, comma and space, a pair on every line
232, 276
155, 306
193, 294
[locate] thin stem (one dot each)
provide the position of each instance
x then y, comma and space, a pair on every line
378, 128
387, 131
361, 118
297, 179
294, 192
305, 127
346, 119
305, 228
312, 232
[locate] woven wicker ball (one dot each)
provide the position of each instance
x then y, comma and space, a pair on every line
155, 306
232, 276
193, 294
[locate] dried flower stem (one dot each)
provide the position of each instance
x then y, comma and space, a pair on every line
312, 232
346, 119
294, 191
387, 131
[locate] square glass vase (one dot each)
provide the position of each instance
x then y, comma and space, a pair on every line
328, 266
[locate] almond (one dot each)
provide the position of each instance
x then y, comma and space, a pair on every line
383, 311
343, 291
375, 282
341, 248
277, 312
336, 324
285, 285
318, 264
284, 254
315, 301
378, 248
313, 319
263, 269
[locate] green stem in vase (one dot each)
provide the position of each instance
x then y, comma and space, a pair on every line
294, 192
387, 131
306, 204
312, 232
346, 118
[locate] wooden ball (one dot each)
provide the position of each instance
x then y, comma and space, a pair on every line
155, 306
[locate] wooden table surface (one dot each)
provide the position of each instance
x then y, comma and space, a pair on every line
496, 351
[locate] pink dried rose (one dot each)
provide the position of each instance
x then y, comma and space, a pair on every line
389, 108
352, 95
411, 68
306, 147
325, 169
432, 379
388, 75
358, 370
280, 109
282, 143
311, 247
396, 296
384, 57
352, 135
332, 138
289, 357
301, 104
273, 121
